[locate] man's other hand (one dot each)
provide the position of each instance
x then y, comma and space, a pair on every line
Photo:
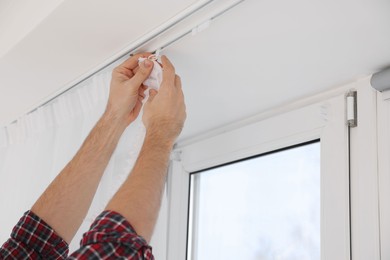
165, 110
127, 89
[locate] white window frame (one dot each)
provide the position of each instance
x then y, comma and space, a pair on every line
364, 176
312, 119
383, 122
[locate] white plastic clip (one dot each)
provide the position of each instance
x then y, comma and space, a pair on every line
153, 57
157, 53
201, 27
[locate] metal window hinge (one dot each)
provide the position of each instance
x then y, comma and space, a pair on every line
352, 108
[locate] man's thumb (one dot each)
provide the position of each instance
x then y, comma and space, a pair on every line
152, 94
145, 68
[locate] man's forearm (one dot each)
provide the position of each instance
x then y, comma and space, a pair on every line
66, 201
139, 198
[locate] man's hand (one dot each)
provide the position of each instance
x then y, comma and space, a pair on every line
127, 90
139, 198
165, 111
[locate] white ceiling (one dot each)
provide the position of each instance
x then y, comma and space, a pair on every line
259, 55
266, 53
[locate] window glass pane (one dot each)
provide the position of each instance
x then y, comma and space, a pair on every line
266, 207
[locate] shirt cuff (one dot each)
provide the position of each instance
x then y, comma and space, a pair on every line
37, 235
112, 227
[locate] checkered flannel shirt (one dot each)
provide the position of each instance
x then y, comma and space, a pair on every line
110, 237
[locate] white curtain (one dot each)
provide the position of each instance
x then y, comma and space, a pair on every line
37, 147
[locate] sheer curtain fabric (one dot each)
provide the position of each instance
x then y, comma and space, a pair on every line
38, 146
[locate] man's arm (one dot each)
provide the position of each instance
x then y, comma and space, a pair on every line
66, 201
139, 198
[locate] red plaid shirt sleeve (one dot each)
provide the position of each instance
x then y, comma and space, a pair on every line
110, 237
32, 238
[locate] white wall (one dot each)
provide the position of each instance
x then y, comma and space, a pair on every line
19, 18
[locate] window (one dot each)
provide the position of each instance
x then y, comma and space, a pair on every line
267, 207
199, 193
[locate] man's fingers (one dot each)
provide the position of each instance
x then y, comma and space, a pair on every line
137, 108
123, 71
132, 62
152, 94
177, 81
141, 90
168, 71
145, 68
179, 86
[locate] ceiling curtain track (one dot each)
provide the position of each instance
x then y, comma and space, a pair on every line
205, 11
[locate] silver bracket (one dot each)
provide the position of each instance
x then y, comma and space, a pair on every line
352, 108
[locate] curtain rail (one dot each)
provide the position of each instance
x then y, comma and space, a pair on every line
146, 39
